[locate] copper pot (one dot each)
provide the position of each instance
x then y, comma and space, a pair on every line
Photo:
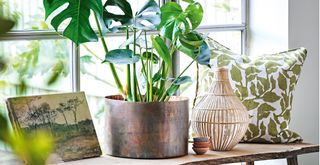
146, 130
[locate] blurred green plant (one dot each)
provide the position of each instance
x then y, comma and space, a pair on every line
33, 149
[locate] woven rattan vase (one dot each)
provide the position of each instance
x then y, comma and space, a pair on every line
220, 114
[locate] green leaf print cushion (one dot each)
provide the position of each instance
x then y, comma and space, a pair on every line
265, 85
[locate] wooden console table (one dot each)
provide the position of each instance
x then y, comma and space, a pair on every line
241, 153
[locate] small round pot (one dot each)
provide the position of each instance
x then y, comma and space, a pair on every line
146, 130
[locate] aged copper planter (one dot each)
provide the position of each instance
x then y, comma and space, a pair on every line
146, 130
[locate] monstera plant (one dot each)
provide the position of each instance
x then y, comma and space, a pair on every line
150, 56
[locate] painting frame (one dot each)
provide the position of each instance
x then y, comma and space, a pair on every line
65, 116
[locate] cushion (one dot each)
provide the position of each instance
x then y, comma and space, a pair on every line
264, 84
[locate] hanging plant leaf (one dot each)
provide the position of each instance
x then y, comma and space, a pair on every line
147, 56
124, 19
182, 80
148, 17
162, 50
130, 40
79, 30
6, 25
121, 56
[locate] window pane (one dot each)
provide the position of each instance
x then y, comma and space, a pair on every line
37, 63
229, 39
30, 13
33, 67
96, 78
220, 11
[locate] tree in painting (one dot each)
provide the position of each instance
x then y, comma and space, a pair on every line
63, 108
73, 105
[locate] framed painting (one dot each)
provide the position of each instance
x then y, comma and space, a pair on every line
65, 116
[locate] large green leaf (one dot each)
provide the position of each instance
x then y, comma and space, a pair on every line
5, 25
121, 56
191, 40
173, 17
79, 30
109, 17
148, 17
203, 52
195, 14
162, 49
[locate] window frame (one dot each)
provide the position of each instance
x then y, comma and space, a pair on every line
75, 50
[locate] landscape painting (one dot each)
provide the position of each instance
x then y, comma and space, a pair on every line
65, 116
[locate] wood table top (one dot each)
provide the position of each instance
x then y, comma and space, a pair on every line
243, 152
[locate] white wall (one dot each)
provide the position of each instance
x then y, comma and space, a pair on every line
304, 31
268, 26
277, 25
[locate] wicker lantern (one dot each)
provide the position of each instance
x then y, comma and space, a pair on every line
220, 114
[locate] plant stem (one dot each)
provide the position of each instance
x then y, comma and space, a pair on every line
185, 69
150, 74
165, 70
143, 68
134, 86
197, 87
112, 68
146, 70
128, 76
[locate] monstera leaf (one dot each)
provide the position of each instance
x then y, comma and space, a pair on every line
79, 30
193, 45
147, 18
124, 19
173, 17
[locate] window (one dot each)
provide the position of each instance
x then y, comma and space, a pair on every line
50, 56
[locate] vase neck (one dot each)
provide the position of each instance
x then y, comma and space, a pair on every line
221, 74
221, 84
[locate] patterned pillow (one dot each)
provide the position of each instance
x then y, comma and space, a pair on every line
264, 84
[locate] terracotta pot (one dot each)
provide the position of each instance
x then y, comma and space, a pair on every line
146, 130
